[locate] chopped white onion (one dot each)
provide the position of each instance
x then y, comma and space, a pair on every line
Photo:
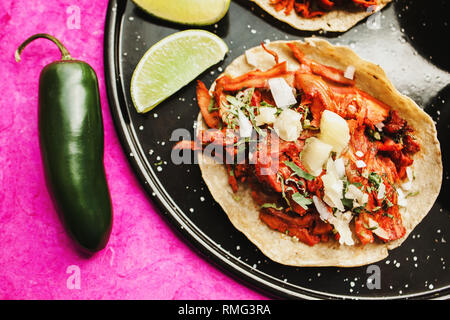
244, 97
354, 192
408, 184
402, 202
331, 168
333, 187
341, 224
340, 221
364, 199
281, 92
314, 155
350, 72
409, 174
322, 208
359, 154
333, 194
380, 232
245, 126
359, 198
381, 191
340, 167
372, 224
266, 116
288, 125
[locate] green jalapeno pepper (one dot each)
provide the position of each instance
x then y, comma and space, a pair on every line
72, 147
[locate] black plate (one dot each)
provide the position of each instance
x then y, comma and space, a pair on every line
406, 39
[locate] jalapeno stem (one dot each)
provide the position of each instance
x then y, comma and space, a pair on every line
65, 55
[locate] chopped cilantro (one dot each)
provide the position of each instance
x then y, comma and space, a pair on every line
265, 104
370, 228
279, 110
299, 183
243, 141
359, 209
348, 203
307, 125
373, 134
240, 154
211, 106
243, 103
281, 180
290, 189
235, 197
334, 211
388, 215
398, 138
233, 100
386, 204
412, 194
375, 179
271, 205
357, 184
253, 122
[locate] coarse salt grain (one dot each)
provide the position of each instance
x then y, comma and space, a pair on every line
360, 164
349, 72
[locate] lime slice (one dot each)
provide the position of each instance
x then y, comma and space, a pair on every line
192, 12
171, 64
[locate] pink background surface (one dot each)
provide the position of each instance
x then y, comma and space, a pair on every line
144, 258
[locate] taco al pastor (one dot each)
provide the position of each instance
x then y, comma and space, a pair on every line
327, 15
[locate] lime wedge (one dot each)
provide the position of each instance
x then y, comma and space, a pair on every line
171, 64
192, 12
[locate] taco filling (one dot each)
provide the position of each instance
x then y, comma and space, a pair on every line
314, 8
330, 160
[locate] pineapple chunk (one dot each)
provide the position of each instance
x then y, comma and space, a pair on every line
334, 131
288, 125
314, 155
